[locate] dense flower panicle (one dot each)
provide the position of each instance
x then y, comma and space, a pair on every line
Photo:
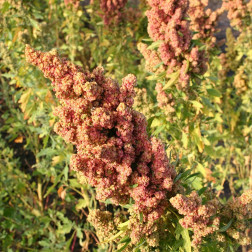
238, 12
103, 222
241, 80
203, 21
240, 210
142, 229
143, 103
197, 216
205, 219
231, 61
167, 23
152, 58
112, 10
165, 101
114, 151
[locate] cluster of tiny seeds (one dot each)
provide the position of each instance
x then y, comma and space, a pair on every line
103, 223
240, 210
230, 60
203, 21
153, 62
112, 10
167, 23
227, 59
114, 151
143, 103
148, 229
241, 80
165, 102
238, 12
196, 215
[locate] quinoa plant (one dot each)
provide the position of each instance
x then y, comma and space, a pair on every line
116, 156
147, 164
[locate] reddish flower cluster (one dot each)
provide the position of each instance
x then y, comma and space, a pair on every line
112, 10
167, 23
114, 151
197, 216
240, 210
203, 21
153, 63
238, 11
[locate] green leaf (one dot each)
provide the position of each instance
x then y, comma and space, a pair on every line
155, 123
214, 92
47, 152
112, 238
34, 23
192, 175
74, 183
178, 177
68, 243
187, 240
185, 140
155, 44
141, 217
182, 175
123, 247
207, 102
202, 190
173, 78
5, 7
197, 105
82, 203
226, 227
134, 186
124, 239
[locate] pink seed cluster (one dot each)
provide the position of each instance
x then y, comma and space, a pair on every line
197, 216
203, 21
114, 152
167, 23
240, 211
238, 11
112, 10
